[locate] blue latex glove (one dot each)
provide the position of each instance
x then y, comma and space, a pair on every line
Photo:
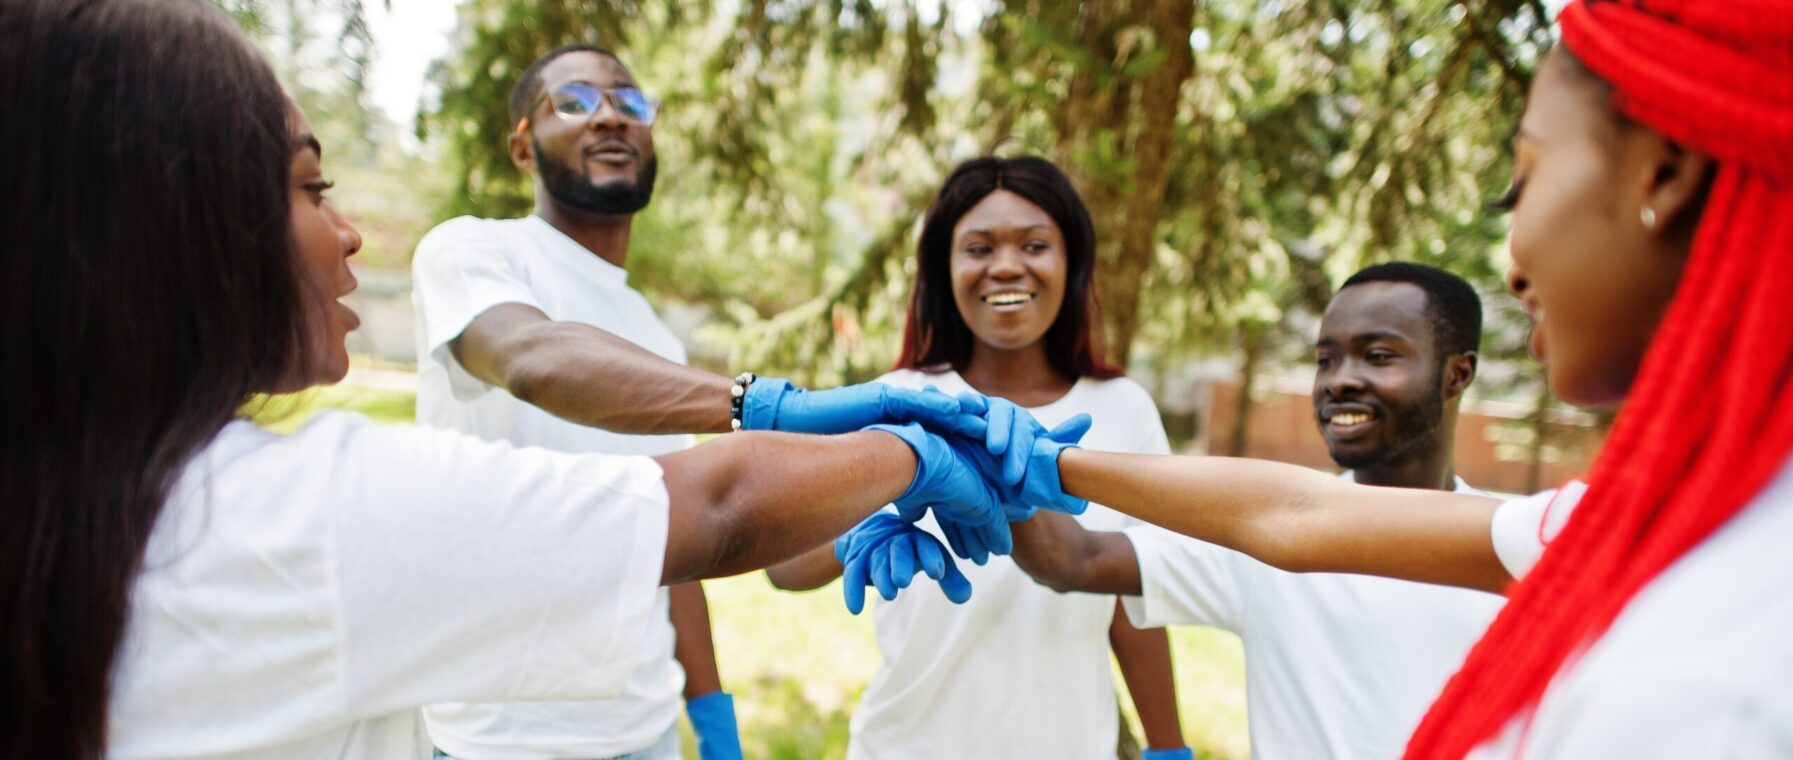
1178, 753
713, 720
773, 404
1029, 451
951, 485
885, 552
976, 542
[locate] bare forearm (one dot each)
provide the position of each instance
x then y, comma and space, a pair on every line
693, 646
1064, 556
585, 375
747, 500
1298, 519
1144, 657
812, 570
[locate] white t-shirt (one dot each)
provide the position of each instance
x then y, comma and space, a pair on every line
1698, 665
462, 268
294, 600
1336, 665
1018, 671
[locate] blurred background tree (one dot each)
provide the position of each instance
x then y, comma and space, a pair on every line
1239, 158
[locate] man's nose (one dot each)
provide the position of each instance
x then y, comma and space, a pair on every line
1343, 379
605, 115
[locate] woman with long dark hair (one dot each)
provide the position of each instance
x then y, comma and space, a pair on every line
179, 582
1004, 305
1652, 242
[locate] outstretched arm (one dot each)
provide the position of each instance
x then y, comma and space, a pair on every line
1064, 556
811, 570
582, 374
1297, 519
746, 500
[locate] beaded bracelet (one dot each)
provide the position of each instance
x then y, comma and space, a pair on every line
737, 398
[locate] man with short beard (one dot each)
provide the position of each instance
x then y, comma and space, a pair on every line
1336, 666
528, 332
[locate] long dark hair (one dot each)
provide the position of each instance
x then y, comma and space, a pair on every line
934, 333
149, 290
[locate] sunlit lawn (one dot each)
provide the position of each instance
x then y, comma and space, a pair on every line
798, 662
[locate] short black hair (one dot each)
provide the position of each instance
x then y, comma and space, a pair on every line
1456, 309
529, 86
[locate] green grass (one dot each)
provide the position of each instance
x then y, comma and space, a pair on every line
797, 662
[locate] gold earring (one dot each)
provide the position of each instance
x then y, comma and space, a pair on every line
1648, 217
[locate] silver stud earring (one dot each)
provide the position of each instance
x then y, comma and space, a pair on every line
1648, 217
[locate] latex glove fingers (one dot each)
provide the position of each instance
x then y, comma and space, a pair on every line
868, 532
952, 582
934, 410
930, 557
1071, 431
853, 580
878, 567
905, 557
996, 537
964, 542
1013, 509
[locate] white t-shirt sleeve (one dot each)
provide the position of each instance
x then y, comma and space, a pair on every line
468, 570
1148, 427
1523, 527
1182, 581
1132, 406
459, 272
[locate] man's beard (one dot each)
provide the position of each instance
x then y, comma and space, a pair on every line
1416, 428
572, 188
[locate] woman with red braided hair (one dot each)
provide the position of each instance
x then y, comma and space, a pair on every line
1652, 242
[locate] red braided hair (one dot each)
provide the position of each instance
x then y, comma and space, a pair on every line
1709, 420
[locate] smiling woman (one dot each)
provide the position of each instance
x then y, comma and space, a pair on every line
1024, 205
1003, 305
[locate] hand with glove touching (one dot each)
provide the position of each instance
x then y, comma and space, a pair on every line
953, 485
1027, 451
773, 404
885, 552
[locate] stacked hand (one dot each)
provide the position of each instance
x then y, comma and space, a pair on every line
978, 469
886, 551
1028, 452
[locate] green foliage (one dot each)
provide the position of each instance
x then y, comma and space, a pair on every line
1238, 157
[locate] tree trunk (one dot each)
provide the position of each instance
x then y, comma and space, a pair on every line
1251, 341
1116, 135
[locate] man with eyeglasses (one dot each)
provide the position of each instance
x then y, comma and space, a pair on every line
529, 332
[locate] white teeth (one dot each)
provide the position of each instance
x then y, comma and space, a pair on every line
1007, 299
1350, 419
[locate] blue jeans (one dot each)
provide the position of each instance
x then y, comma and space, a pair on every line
665, 748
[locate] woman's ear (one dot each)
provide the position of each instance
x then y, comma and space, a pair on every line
1677, 191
